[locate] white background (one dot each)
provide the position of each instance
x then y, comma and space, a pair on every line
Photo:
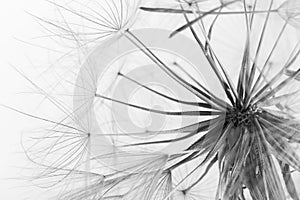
15, 23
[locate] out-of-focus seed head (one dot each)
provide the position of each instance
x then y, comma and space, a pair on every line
290, 12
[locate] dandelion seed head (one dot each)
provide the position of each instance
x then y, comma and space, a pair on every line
175, 114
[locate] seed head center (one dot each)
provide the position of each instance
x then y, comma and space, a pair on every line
243, 116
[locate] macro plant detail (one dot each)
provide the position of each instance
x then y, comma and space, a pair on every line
174, 99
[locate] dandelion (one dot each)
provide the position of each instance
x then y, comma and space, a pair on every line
165, 114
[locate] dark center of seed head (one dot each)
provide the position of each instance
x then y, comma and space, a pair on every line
243, 116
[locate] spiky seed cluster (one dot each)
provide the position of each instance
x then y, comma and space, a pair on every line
243, 116
242, 136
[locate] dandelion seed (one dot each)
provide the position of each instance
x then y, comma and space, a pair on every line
95, 21
289, 11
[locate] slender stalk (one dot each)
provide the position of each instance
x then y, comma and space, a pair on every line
252, 73
254, 88
198, 104
199, 18
175, 113
201, 94
290, 61
209, 58
180, 11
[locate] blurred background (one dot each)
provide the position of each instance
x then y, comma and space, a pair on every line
16, 24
